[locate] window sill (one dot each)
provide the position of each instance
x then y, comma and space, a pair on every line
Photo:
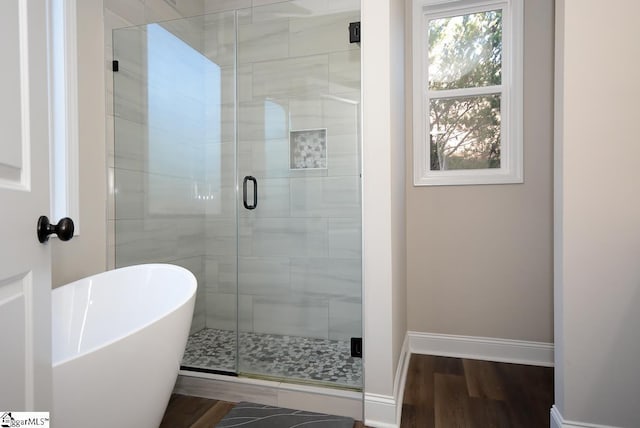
468, 178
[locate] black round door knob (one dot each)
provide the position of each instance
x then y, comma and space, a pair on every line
64, 229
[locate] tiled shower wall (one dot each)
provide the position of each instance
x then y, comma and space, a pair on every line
147, 233
297, 262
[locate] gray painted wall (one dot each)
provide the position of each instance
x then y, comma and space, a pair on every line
480, 258
86, 254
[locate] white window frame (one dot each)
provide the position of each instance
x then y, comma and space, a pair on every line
64, 142
511, 89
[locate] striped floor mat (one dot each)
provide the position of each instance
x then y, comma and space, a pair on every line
251, 415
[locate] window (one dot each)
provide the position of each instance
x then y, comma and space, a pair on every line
64, 112
467, 92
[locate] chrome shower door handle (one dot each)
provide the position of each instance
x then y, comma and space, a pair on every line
255, 192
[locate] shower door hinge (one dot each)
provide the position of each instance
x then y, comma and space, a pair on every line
356, 347
115, 65
354, 32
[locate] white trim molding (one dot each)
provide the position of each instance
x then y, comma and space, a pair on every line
64, 121
510, 91
557, 421
482, 348
380, 411
401, 376
384, 411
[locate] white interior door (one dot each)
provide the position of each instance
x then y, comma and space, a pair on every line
25, 274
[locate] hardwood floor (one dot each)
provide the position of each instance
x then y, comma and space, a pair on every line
185, 411
440, 392
444, 392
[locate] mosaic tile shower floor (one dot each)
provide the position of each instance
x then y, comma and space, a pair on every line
304, 358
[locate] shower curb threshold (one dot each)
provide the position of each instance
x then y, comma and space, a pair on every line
311, 398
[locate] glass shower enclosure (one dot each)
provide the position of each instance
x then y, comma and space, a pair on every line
237, 156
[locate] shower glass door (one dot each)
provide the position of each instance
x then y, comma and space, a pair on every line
299, 246
237, 156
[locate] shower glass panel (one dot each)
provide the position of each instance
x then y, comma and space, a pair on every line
299, 250
237, 156
174, 157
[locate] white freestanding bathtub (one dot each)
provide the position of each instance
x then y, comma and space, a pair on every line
118, 339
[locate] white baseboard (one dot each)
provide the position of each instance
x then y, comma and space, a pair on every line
380, 411
384, 411
557, 421
556, 418
482, 348
401, 377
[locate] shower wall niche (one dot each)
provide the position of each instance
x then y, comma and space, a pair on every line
268, 97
